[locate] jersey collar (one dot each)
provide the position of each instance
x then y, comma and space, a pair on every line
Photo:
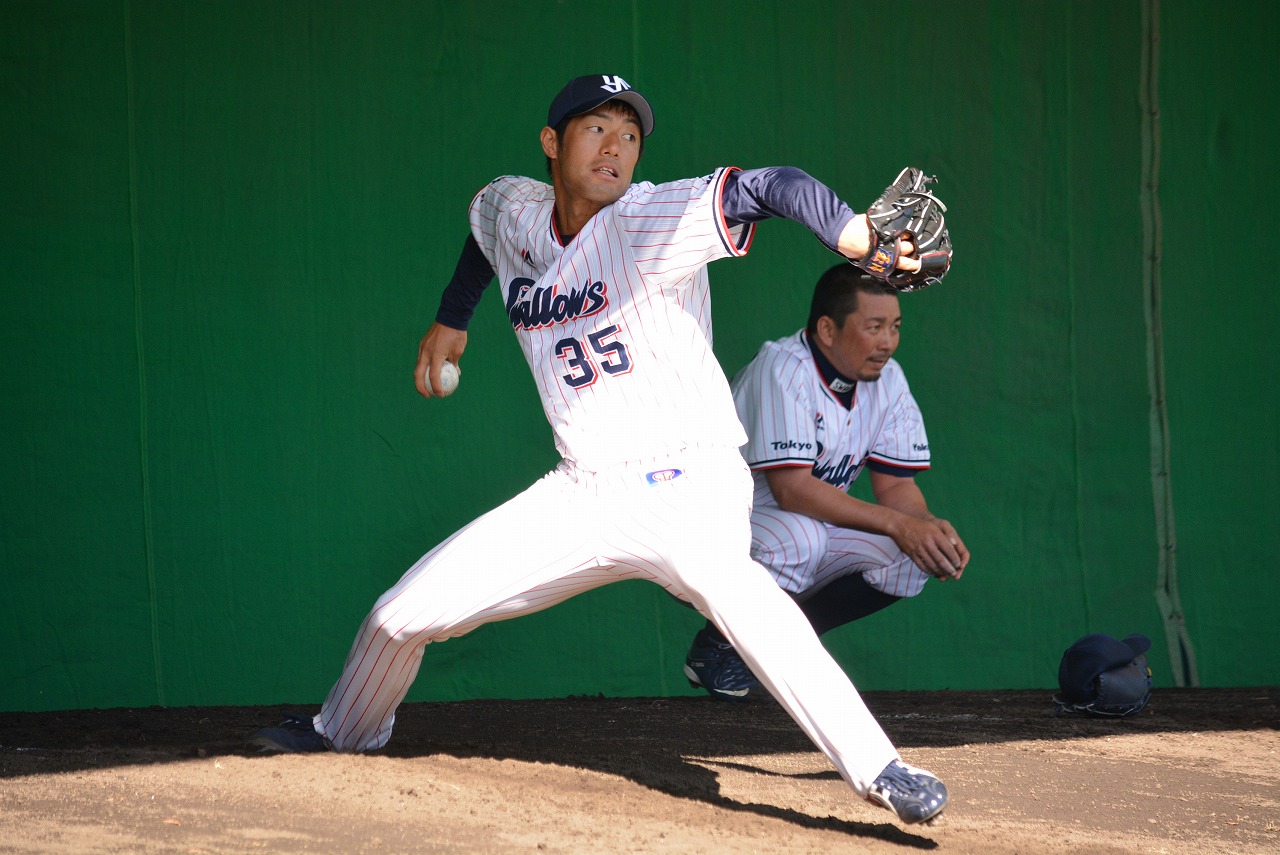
557, 238
841, 387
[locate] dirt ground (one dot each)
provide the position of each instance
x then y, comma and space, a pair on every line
1195, 773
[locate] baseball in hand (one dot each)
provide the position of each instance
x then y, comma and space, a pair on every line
448, 378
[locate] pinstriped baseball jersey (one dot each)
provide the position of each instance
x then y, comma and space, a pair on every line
618, 322
793, 419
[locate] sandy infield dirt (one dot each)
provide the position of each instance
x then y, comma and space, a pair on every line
1195, 773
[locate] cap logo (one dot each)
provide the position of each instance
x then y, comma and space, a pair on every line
614, 84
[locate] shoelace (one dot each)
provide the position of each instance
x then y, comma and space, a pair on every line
898, 779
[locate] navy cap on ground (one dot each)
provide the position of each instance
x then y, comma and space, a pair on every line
1090, 656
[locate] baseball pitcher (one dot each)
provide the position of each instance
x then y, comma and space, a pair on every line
604, 284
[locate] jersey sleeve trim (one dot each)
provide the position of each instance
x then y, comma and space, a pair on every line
740, 244
781, 463
881, 462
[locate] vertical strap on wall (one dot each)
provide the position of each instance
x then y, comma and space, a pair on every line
144, 450
1181, 656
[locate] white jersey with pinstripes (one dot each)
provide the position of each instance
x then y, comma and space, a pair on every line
793, 419
616, 326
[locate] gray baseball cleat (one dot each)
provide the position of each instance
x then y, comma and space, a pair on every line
913, 794
295, 735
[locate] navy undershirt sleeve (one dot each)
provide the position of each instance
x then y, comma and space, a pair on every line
461, 296
785, 191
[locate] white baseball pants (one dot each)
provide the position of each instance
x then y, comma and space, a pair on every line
689, 534
804, 554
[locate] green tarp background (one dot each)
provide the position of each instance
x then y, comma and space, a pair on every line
225, 226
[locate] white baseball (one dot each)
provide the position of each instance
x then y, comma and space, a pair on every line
448, 378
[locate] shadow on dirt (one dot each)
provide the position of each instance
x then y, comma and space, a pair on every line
672, 745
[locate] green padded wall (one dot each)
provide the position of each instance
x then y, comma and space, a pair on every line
1220, 133
227, 224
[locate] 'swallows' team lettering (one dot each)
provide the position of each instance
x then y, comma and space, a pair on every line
840, 473
544, 307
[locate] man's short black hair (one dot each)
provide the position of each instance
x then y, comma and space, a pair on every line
836, 294
620, 106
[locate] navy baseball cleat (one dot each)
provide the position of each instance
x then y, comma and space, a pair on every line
296, 735
716, 666
913, 794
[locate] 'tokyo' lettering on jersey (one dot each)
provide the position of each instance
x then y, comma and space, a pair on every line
532, 308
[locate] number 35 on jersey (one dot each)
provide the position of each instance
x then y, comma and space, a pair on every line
584, 360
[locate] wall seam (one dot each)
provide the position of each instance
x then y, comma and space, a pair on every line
1073, 338
140, 349
1181, 654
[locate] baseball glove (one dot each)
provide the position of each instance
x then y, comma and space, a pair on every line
1101, 676
908, 209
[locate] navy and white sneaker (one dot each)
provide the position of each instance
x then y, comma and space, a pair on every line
295, 735
913, 794
715, 666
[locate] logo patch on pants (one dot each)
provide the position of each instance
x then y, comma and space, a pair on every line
662, 475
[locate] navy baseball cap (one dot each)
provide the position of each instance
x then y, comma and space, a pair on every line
1092, 655
586, 93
